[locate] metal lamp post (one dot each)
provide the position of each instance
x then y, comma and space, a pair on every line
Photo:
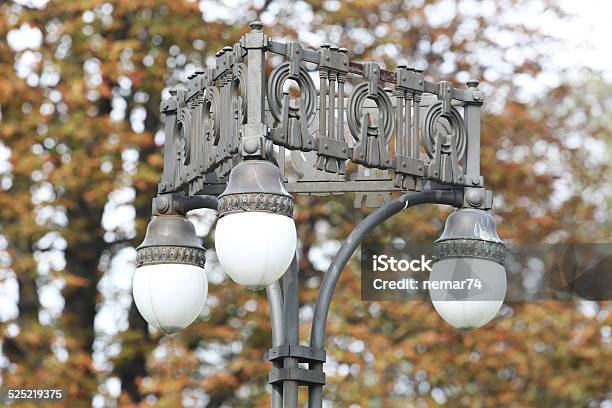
238, 142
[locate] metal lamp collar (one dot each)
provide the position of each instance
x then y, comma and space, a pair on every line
170, 239
470, 233
256, 185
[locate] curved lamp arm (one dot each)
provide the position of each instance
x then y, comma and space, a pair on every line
326, 292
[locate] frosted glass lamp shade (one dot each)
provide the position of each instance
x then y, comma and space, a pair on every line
170, 296
469, 273
482, 295
467, 314
255, 248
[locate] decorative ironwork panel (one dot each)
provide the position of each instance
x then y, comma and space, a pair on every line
363, 129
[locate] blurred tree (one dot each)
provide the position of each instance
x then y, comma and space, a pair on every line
71, 110
79, 94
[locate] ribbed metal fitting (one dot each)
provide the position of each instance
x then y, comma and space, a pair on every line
170, 239
470, 233
256, 185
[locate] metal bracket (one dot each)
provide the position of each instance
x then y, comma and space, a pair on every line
294, 54
474, 181
408, 166
445, 94
477, 197
303, 353
253, 137
333, 150
371, 73
410, 79
174, 203
334, 59
301, 375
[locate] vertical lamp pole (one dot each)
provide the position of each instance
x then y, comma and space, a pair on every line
237, 142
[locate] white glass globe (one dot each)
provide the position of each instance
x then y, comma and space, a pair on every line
169, 296
467, 314
255, 248
473, 307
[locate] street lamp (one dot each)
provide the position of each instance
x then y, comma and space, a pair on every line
469, 251
170, 285
255, 237
236, 142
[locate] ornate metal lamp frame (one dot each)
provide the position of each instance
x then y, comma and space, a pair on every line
352, 134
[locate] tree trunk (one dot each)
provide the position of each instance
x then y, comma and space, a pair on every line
82, 255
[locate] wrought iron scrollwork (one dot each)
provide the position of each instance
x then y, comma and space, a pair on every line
183, 138
228, 144
292, 131
333, 150
444, 139
239, 89
409, 168
372, 139
211, 128
235, 110
201, 122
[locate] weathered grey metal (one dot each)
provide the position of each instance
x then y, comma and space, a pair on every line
170, 239
221, 119
255, 129
258, 202
470, 248
472, 121
292, 131
372, 140
333, 149
256, 185
409, 167
167, 254
174, 203
385, 75
470, 232
275, 300
303, 353
291, 311
444, 151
